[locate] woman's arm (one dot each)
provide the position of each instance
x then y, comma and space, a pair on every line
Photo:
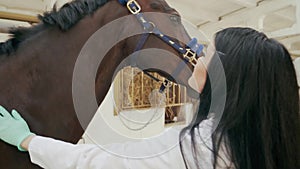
49, 153
151, 154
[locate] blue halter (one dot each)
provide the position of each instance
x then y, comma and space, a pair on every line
190, 53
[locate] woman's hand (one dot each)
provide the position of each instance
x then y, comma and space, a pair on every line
14, 129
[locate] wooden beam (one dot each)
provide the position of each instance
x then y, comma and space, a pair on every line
291, 31
245, 3
184, 8
18, 17
246, 16
4, 30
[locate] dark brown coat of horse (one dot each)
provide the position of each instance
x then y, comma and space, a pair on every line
36, 67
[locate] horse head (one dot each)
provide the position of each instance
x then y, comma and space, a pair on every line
151, 38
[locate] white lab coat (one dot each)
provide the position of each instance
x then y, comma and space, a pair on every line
151, 153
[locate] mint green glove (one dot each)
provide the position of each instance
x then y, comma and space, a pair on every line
13, 128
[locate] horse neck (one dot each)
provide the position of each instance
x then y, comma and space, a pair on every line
50, 55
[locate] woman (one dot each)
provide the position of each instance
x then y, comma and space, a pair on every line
259, 128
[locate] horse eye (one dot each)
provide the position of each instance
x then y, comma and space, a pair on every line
175, 18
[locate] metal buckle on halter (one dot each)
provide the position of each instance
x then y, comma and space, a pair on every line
133, 7
191, 56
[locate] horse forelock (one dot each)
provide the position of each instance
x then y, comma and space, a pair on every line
64, 18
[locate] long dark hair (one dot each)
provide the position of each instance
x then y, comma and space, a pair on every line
259, 127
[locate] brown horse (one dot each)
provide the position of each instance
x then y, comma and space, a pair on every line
36, 66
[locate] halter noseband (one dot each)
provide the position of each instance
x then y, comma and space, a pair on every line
189, 53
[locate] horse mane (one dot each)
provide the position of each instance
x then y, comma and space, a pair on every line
64, 18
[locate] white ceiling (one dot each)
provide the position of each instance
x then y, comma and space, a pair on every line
277, 18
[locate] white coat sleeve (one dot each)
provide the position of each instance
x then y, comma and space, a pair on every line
54, 154
161, 152
157, 153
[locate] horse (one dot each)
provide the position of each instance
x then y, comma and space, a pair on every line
37, 64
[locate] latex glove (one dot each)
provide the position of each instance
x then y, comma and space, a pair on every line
13, 128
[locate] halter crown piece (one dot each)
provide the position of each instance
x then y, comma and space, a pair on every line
190, 52
123, 2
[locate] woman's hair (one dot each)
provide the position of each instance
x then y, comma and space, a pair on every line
259, 127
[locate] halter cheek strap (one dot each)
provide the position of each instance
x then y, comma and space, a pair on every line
195, 46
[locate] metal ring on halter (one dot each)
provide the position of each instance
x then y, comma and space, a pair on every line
151, 28
167, 83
